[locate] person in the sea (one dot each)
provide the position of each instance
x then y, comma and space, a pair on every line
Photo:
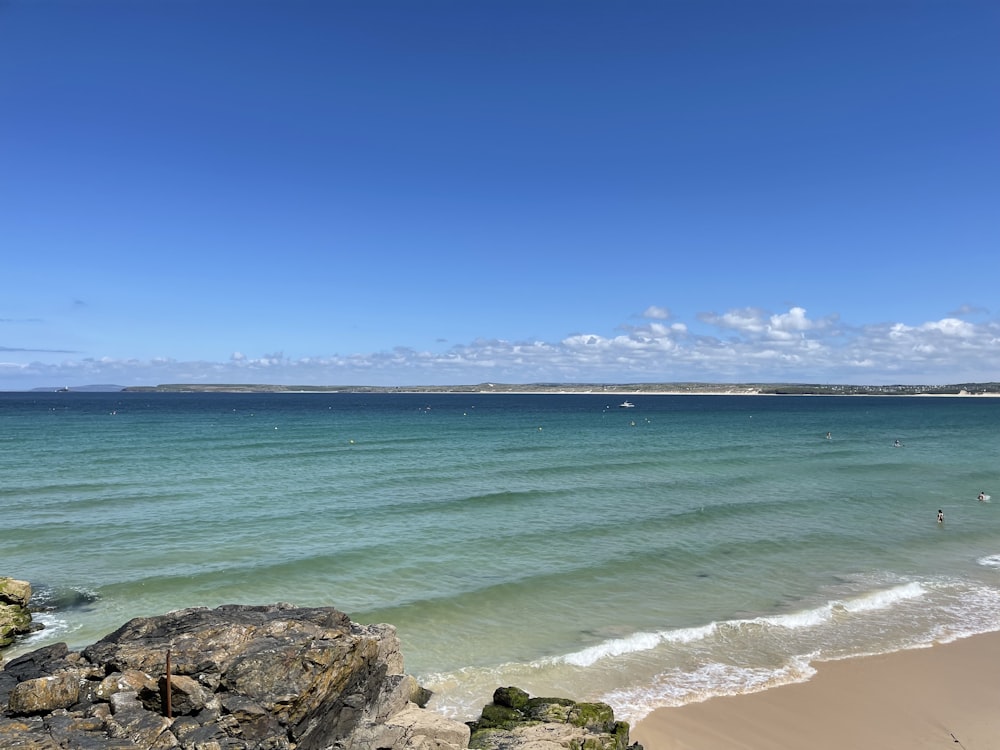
897, 444
829, 436
982, 497
940, 516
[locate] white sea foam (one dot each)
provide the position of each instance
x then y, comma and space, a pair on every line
990, 561
677, 687
636, 642
871, 601
53, 627
884, 599
615, 647
690, 635
975, 610
805, 619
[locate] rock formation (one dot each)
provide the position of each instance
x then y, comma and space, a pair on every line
269, 678
516, 721
272, 677
15, 619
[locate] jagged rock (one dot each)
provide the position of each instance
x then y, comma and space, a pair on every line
516, 721
264, 678
15, 618
267, 678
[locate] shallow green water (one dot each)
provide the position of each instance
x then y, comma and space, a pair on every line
693, 545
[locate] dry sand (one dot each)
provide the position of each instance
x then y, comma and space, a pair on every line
947, 696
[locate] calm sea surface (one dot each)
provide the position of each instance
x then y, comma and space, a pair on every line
688, 547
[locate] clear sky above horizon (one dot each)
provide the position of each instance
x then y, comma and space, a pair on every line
406, 192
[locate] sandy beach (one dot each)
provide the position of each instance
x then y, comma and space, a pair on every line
947, 696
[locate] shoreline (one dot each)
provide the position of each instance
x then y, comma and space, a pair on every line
610, 390
946, 695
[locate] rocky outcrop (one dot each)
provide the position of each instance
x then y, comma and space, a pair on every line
15, 619
516, 721
273, 677
269, 678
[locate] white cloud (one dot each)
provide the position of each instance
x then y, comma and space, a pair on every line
748, 320
750, 345
754, 322
794, 320
951, 327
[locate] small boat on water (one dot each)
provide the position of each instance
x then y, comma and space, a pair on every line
626, 405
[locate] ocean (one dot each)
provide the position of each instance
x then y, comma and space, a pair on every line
652, 556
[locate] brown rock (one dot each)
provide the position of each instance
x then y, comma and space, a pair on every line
44, 694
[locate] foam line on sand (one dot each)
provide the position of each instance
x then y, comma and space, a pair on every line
946, 696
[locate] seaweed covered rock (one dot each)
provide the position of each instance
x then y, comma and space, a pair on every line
271, 677
15, 618
516, 720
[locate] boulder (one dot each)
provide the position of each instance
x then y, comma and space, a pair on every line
272, 677
44, 694
516, 721
15, 618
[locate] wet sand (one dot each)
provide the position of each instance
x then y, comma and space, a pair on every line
947, 696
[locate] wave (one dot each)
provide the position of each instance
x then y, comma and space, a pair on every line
990, 561
635, 643
808, 618
885, 599
677, 687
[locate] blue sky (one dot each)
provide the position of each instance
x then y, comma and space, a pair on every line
397, 192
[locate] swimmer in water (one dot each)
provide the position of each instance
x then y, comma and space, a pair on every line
940, 516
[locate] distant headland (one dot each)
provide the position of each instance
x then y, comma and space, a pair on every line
628, 389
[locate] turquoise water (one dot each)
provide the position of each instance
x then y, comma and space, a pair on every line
688, 547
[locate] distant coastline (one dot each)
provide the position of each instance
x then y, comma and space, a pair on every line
623, 389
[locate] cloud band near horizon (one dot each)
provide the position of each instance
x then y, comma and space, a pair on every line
748, 345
